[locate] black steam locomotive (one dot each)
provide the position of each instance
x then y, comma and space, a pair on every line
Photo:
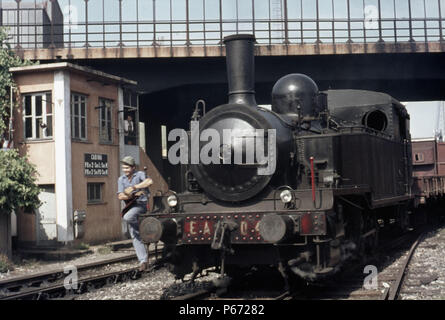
342, 161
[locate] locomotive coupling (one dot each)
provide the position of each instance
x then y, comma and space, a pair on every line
222, 232
165, 229
278, 228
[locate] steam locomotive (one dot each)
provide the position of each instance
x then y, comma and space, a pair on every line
342, 170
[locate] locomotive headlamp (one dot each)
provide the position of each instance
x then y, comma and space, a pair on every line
286, 196
172, 200
276, 228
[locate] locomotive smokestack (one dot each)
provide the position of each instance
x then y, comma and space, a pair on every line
241, 68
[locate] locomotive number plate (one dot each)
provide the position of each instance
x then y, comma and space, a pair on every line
201, 228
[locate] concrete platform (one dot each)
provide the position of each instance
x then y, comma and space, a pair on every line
53, 254
117, 245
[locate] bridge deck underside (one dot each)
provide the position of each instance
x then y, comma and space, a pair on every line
219, 51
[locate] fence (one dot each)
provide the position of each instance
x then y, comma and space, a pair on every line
33, 26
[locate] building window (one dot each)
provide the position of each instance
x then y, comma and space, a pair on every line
94, 192
418, 157
78, 116
38, 116
105, 130
130, 117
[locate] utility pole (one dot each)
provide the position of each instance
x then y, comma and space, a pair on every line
440, 121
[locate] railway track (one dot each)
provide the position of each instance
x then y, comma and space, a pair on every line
212, 294
59, 291
392, 293
52, 284
391, 263
215, 293
199, 295
349, 285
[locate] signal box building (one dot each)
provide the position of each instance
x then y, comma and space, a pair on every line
75, 124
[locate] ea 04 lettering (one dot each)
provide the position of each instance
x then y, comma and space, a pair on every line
202, 227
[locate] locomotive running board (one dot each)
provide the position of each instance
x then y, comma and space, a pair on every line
390, 201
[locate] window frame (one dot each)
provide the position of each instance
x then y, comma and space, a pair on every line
95, 200
43, 116
79, 116
131, 107
104, 101
419, 157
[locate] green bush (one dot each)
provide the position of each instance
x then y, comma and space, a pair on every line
8, 59
18, 187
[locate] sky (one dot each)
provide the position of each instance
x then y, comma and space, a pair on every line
423, 118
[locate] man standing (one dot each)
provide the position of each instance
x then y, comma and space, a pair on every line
129, 183
129, 130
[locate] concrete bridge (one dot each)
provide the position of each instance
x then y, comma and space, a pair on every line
289, 49
120, 29
394, 46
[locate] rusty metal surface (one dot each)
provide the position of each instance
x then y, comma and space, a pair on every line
424, 158
428, 168
441, 158
429, 186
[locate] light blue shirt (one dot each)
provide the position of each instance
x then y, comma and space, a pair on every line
137, 178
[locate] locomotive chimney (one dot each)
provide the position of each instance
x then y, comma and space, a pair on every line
241, 68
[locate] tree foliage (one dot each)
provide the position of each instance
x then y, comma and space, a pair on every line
8, 59
18, 187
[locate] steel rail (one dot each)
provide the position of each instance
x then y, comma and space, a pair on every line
287, 295
393, 292
56, 272
56, 275
196, 295
81, 283
394, 244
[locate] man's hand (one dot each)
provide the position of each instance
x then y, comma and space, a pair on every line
128, 191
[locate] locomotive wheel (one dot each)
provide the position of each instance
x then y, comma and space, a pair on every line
354, 229
403, 218
398, 219
372, 240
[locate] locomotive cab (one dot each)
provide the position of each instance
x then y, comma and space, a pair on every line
374, 110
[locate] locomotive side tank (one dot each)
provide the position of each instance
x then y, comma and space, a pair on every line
343, 169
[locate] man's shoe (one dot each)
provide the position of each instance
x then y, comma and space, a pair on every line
143, 266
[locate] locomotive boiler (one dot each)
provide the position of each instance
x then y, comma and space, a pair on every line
342, 170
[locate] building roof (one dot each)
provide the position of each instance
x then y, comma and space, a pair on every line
432, 139
75, 68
